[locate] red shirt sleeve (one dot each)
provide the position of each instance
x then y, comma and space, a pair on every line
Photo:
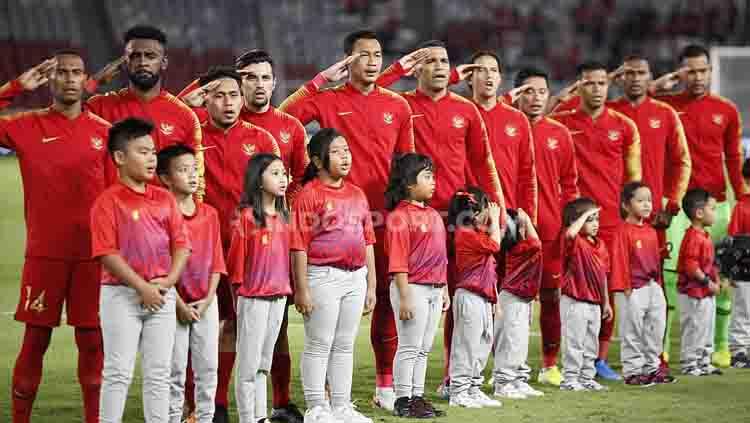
299, 160
631, 152
737, 221
397, 241
691, 257
8, 125
302, 104
477, 147
304, 218
405, 142
527, 183
189, 89
677, 175
219, 265
476, 242
569, 171
178, 231
367, 225
103, 228
237, 255
8, 92
391, 75
733, 151
620, 277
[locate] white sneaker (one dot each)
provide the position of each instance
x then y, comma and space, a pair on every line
349, 414
571, 386
527, 390
320, 414
508, 391
592, 385
483, 399
384, 398
463, 400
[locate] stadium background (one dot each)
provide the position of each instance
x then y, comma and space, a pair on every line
305, 37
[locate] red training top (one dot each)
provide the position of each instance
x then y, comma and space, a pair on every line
523, 269
586, 266
696, 252
475, 262
207, 256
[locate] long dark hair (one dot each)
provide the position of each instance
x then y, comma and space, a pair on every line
404, 171
464, 206
319, 147
252, 194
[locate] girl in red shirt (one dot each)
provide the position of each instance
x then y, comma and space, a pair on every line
415, 242
258, 263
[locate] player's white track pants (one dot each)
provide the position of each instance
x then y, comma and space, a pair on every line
127, 329
201, 338
338, 298
739, 328
258, 324
472, 340
641, 320
415, 337
512, 339
697, 322
581, 322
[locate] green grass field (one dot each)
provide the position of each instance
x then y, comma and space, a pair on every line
715, 399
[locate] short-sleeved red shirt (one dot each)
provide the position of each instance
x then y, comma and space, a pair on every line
475, 262
207, 256
696, 252
586, 269
523, 269
636, 257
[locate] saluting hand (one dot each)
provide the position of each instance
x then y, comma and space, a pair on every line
105, 75
411, 60
38, 75
198, 97
338, 70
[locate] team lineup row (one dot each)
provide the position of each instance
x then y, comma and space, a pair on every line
488, 153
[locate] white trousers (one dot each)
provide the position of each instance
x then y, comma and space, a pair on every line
641, 324
581, 322
511, 340
472, 340
697, 322
739, 327
330, 332
201, 339
128, 328
415, 337
258, 325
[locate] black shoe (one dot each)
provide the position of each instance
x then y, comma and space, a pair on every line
289, 414
421, 409
402, 407
741, 361
221, 415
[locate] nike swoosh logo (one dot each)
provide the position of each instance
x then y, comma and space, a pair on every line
208, 147
417, 116
49, 139
680, 113
575, 132
344, 113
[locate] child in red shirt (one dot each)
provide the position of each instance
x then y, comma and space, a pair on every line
739, 326
197, 329
334, 267
697, 284
140, 237
476, 240
258, 262
636, 284
415, 241
584, 301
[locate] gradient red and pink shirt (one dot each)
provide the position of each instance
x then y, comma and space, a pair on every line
143, 228
332, 225
207, 256
523, 269
64, 167
586, 266
258, 257
636, 257
415, 242
476, 266
696, 252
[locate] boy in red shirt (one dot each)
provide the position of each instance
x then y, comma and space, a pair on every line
697, 285
197, 311
141, 240
584, 302
739, 325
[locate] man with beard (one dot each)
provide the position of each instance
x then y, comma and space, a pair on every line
64, 166
608, 155
557, 181
145, 60
713, 129
376, 123
259, 81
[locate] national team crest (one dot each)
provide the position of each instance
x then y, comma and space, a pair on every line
284, 136
248, 149
717, 119
388, 118
136, 215
166, 128
329, 206
553, 144
511, 130
97, 143
458, 122
638, 244
613, 135
423, 227
654, 123
264, 239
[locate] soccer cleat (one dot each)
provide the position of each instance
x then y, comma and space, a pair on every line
428, 405
603, 371
421, 409
662, 377
384, 398
444, 391
642, 381
349, 414
465, 400
288, 414
692, 371
572, 386
221, 415
549, 376
741, 361
711, 371
401, 407
483, 399
320, 414
508, 391
592, 385
721, 359
527, 390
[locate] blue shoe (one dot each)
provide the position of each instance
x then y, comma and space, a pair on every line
603, 371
